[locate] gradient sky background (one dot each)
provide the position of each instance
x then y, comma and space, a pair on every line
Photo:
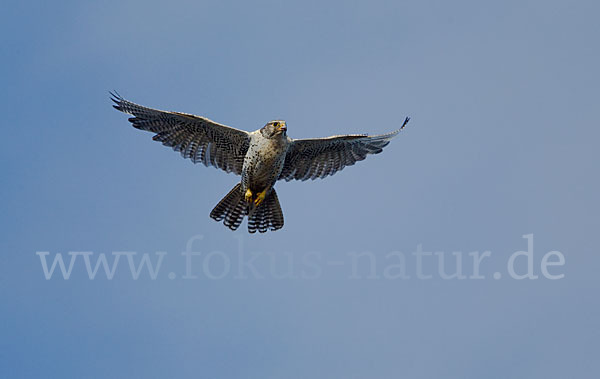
503, 142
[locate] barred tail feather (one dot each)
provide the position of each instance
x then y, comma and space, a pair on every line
231, 209
267, 216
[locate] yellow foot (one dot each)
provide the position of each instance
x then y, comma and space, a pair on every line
248, 196
260, 197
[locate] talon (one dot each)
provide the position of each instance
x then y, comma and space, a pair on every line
260, 197
248, 196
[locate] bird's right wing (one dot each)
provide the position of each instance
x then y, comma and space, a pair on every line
195, 137
320, 157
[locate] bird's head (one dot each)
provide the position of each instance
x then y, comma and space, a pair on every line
274, 129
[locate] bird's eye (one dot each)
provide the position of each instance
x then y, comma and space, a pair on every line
275, 124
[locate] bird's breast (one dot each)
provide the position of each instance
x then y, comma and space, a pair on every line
263, 162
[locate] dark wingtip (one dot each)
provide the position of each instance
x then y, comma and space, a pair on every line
115, 97
406, 120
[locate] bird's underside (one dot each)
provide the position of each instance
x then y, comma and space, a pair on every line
261, 158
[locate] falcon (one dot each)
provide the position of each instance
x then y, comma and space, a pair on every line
261, 157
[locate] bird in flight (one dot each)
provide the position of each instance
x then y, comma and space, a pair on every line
261, 157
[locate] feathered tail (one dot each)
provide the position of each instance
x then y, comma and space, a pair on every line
267, 216
232, 209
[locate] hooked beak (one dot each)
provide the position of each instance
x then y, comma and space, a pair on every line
283, 127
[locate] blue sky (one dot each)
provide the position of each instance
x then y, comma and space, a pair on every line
502, 143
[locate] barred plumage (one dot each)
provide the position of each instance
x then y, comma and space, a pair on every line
232, 209
261, 157
320, 157
195, 137
267, 216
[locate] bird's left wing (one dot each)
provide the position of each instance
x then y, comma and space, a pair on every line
320, 157
195, 137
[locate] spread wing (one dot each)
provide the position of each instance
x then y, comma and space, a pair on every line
195, 137
320, 157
